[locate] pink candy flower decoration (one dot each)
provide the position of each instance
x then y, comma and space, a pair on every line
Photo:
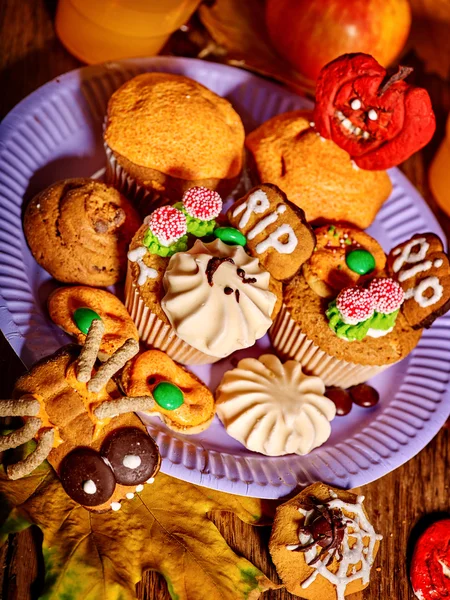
168, 224
356, 304
387, 294
202, 203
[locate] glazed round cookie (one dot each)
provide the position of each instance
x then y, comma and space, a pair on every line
165, 133
181, 400
79, 230
274, 408
323, 544
73, 308
343, 256
315, 173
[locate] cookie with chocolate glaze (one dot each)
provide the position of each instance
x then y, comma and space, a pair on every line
422, 268
276, 230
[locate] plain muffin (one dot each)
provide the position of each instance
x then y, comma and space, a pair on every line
314, 172
166, 133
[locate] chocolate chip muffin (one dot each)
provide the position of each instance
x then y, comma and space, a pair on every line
79, 230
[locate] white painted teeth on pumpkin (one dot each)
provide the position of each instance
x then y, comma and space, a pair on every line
372, 114
348, 125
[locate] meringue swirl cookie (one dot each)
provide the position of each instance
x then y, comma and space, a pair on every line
218, 298
274, 408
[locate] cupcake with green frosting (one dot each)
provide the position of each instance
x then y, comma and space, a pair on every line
358, 312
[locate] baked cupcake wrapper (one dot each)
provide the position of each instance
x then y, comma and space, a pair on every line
144, 199
291, 343
157, 334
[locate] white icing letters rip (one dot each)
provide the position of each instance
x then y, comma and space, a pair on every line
418, 292
256, 203
273, 241
407, 256
415, 270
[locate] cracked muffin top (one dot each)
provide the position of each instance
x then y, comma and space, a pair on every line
177, 126
79, 230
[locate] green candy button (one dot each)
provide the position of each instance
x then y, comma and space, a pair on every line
168, 396
360, 261
231, 236
83, 318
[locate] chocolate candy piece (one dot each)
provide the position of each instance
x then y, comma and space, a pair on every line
322, 532
364, 395
168, 395
341, 399
86, 478
83, 318
360, 261
132, 454
230, 236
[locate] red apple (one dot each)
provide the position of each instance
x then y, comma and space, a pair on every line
311, 33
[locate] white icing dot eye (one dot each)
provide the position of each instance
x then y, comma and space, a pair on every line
355, 104
89, 487
131, 461
372, 114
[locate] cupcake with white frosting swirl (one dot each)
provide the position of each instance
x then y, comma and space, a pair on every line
201, 305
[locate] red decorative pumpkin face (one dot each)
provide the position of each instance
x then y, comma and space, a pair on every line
379, 121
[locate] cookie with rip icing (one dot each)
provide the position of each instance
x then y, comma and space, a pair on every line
83, 425
422, 268
276, 230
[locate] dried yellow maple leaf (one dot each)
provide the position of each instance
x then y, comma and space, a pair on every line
240, 28
165, 528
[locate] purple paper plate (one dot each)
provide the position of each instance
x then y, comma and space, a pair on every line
56, 133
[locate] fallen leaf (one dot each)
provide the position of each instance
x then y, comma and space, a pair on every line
240, 28
430, 34
166, 528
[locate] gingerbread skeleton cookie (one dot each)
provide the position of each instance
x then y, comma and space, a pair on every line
83, 425
422, 269
276, 230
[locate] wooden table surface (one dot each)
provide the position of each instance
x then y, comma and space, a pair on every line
399, 503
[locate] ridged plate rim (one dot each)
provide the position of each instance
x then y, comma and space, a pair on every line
399, 430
